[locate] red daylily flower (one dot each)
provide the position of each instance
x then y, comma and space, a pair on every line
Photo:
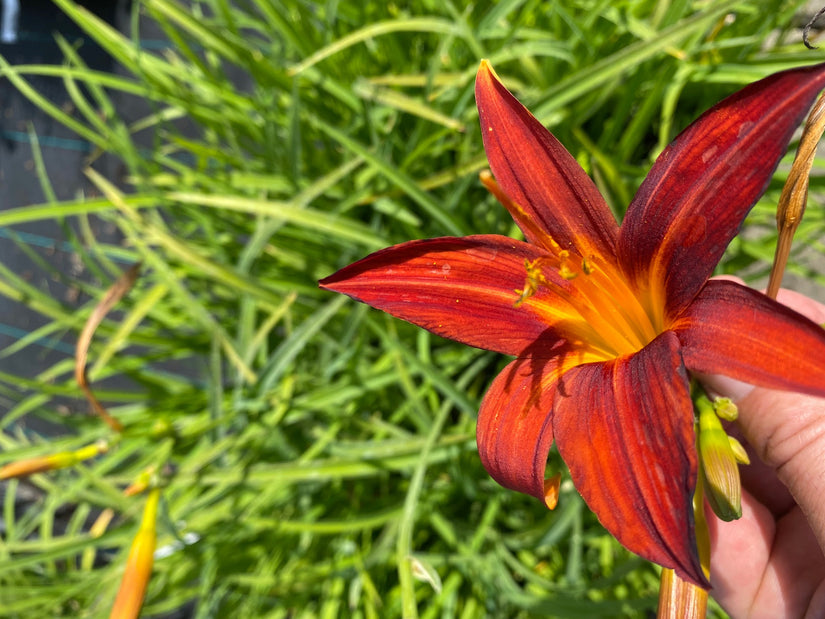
606, 322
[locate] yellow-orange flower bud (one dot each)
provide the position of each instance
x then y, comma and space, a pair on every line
141, 483
738, 451
139, 564
60, 460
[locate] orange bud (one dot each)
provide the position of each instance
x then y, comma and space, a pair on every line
60, 460
30, 466
141, 483
132, 590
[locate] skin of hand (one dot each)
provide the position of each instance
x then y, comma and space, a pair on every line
771, 562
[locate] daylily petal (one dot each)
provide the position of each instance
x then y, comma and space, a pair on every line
625, 430
732, 330
539, 175
701, 187
514, 431
460, 288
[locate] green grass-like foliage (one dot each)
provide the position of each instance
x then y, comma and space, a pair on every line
322, 453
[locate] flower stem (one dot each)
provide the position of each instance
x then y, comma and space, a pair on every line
680, 599
795, 194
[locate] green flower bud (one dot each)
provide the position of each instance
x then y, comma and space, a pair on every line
725, 409
719, 464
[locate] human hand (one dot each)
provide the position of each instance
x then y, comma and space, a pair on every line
771, 562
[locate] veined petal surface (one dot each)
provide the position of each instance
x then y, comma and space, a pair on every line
625, 430
732, 330
461, 288
514, 431
538, 174
698, 192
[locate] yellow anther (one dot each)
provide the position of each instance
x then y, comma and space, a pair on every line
525, 294
587, 268
535, 279
564, 267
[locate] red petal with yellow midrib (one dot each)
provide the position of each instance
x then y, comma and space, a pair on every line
514, 432
732, 330
698, 192
460, 288
538, 174
625, 430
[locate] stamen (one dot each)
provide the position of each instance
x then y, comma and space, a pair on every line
564, 267
535, 279
606, 290
624, 300
519, 215
602, 327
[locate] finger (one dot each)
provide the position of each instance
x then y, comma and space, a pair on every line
766, 568
761, 481
739, 554
787, 432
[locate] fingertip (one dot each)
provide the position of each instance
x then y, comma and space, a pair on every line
811, 309
726, 387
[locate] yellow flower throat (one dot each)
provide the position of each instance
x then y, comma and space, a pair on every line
591, 302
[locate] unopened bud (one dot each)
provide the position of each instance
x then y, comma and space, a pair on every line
142, 482
60, 460
97, 529
726, 409
719, 464
132, 590
738, 451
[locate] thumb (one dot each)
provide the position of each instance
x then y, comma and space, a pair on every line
787, 432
